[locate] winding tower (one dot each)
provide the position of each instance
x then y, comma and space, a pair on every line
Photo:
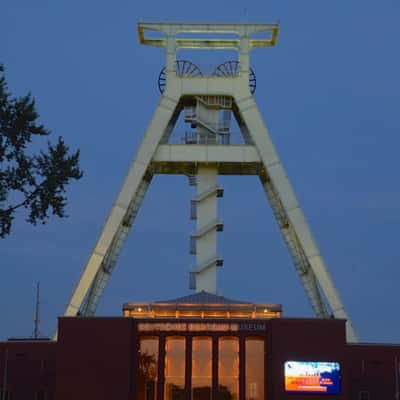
208, 103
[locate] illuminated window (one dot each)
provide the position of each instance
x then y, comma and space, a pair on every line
147, 374
254, 369
201, 368
228, 368
174, 368
5, 394
41, 395
363, 395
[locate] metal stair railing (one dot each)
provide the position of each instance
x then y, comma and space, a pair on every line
215, 260
217, 224
224, 102
219, 191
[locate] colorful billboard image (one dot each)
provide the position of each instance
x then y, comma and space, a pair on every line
312, 377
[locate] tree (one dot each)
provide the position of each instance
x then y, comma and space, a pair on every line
32, 181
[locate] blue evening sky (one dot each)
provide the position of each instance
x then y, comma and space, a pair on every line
330, 95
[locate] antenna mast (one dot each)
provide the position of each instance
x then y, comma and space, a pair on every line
36, 320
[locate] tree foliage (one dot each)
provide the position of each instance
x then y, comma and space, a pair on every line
32, 181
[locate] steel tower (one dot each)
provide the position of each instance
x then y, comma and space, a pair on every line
208, 102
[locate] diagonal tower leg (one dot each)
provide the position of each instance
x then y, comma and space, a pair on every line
108, 264
250, 115
103, 257
300, 261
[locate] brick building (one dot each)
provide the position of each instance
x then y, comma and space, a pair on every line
198, 347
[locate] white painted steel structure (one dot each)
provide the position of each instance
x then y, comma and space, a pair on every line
205, 154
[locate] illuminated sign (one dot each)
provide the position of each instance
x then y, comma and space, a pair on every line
201, 326
252, 326
187, 326
312, 377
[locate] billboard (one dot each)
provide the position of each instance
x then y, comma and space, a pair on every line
312, 377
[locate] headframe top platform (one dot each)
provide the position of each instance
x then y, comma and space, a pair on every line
244, 32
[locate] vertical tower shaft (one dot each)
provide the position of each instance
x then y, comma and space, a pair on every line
208, 129
206, 240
